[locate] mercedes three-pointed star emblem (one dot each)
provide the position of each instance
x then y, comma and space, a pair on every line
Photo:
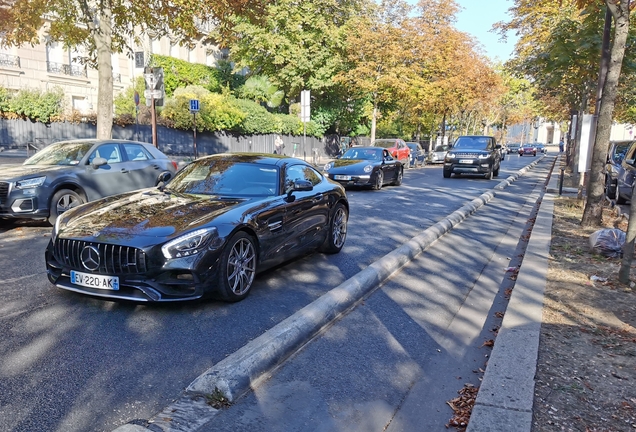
90, 258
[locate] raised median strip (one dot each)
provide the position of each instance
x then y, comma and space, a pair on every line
506, 395
241, 370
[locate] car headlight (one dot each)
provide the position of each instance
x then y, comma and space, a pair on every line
368, 168
484, 156
450, 155
188, 244
30, 183
328, 166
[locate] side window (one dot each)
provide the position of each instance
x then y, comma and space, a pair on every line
110, 152
301, 172
135, 152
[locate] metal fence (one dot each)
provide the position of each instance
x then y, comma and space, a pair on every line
36, 135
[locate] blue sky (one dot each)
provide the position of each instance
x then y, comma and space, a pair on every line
477, 19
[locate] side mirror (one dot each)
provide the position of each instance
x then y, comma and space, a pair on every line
99, 161
629, 161
498, 146
298, 186
163, 179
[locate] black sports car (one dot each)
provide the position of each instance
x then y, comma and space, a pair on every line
209, 230
365, 166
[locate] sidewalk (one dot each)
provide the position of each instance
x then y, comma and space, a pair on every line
367, 371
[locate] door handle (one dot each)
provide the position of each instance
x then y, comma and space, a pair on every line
156, 167
318, 197
124, 171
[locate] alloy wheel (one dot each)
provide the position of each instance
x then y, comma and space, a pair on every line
241, 266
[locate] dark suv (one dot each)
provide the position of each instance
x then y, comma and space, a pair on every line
473, 155
626, 176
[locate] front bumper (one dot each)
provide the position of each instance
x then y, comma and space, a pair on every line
352, 180
22, 203
476, 166
175, 280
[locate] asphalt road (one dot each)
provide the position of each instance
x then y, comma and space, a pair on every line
74, 363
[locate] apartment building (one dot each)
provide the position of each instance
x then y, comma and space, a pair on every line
49, 64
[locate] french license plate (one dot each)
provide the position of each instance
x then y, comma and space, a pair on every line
95, 281
342, 177
466, 161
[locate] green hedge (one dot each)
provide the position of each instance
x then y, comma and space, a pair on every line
179, 73
33, 104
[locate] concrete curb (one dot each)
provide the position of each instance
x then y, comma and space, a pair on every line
238, 372
506, 395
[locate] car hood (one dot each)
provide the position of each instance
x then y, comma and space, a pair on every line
146, 213
353, 165
28, 171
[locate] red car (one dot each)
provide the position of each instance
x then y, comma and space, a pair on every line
398, 149
527, 149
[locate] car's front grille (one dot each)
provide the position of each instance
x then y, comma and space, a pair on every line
468, 155
113, 259
4, 192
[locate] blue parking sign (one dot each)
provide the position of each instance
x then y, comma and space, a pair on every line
194, 105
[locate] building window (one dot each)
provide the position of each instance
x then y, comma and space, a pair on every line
139, 60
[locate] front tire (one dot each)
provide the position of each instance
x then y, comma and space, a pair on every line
489, 175
337, 231
238, 267
447, 173
63, 200
496, 172
379, 180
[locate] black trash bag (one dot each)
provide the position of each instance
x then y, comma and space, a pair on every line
608, 242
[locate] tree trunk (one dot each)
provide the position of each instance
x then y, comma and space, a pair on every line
593, 212
373, 122
103, 36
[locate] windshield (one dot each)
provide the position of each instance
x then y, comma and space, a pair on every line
60, 154
363, 154
384, 143
477, 143
441, 148
221, 176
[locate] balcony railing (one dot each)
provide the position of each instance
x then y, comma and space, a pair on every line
66, 69
9, 60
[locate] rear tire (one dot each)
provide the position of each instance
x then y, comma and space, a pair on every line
619, 198
398, 179
238, 267
337, 231
63, 200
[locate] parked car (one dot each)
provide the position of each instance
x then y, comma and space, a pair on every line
627, 173
513, 148
398, 149
418, 154
613, 166
541, 148
218, 222
473, 154
437, 154
68, 173
527, 149
365, 166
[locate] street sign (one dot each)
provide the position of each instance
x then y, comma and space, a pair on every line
194, 105
149, 94
150, 80
136, 98
304, 106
